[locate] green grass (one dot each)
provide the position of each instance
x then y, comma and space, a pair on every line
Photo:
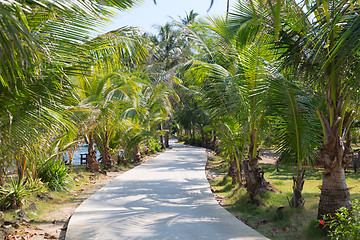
45, 205
264, 216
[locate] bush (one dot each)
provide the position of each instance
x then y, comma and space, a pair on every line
154, 146
12, 195
344, 224
55, 174
35, 185
193, 142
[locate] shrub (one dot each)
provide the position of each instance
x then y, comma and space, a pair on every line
344, 224
154, 146
12, 195
55, 174
35, 185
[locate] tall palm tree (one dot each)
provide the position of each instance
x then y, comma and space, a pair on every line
241, 64
42, 46
170, 49
319, 43
322, 45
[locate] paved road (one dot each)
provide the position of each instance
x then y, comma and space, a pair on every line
167, 197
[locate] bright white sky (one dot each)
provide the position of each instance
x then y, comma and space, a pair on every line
146, 15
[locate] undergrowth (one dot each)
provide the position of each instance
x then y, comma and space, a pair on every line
271, 215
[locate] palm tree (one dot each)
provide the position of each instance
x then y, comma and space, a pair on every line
41, 48
297, 132
322, 46
241, 65
170, 49
318, 43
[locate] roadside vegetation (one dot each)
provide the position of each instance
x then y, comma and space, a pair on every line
44, 212
272, 215
268, 73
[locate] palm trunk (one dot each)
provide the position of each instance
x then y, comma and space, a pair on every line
255, 181
334, 191
298, 183
106, 158
162, 143
136, 154
167, 133
106, 155
233, 171
71, 153
91, 163
21, 166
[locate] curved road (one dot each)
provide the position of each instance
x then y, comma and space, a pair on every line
167, 197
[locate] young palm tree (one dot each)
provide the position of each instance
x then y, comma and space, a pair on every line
322, 45
296, 130
241, 66
41, 47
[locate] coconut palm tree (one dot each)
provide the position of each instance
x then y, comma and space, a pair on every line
240, 64
42, 46
322, 45
170, 49
297, 129
318, 43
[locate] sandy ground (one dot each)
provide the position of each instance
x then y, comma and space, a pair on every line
54, 226
268, 156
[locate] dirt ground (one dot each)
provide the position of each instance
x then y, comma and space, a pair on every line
268, 156
55, 224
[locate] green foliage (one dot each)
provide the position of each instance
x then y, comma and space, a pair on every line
154, 146
345, 223
224, 181
193, 141
312, 231
35, 185
12, 196
54, 174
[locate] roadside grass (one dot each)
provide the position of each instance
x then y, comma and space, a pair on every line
271, 215
81, 186
78, 190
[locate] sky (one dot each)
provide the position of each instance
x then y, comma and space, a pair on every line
147, 14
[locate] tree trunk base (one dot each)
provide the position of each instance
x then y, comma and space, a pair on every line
233, 172
297, 200
331, 201
255, 181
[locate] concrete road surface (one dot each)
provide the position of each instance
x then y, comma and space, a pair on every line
167, 197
